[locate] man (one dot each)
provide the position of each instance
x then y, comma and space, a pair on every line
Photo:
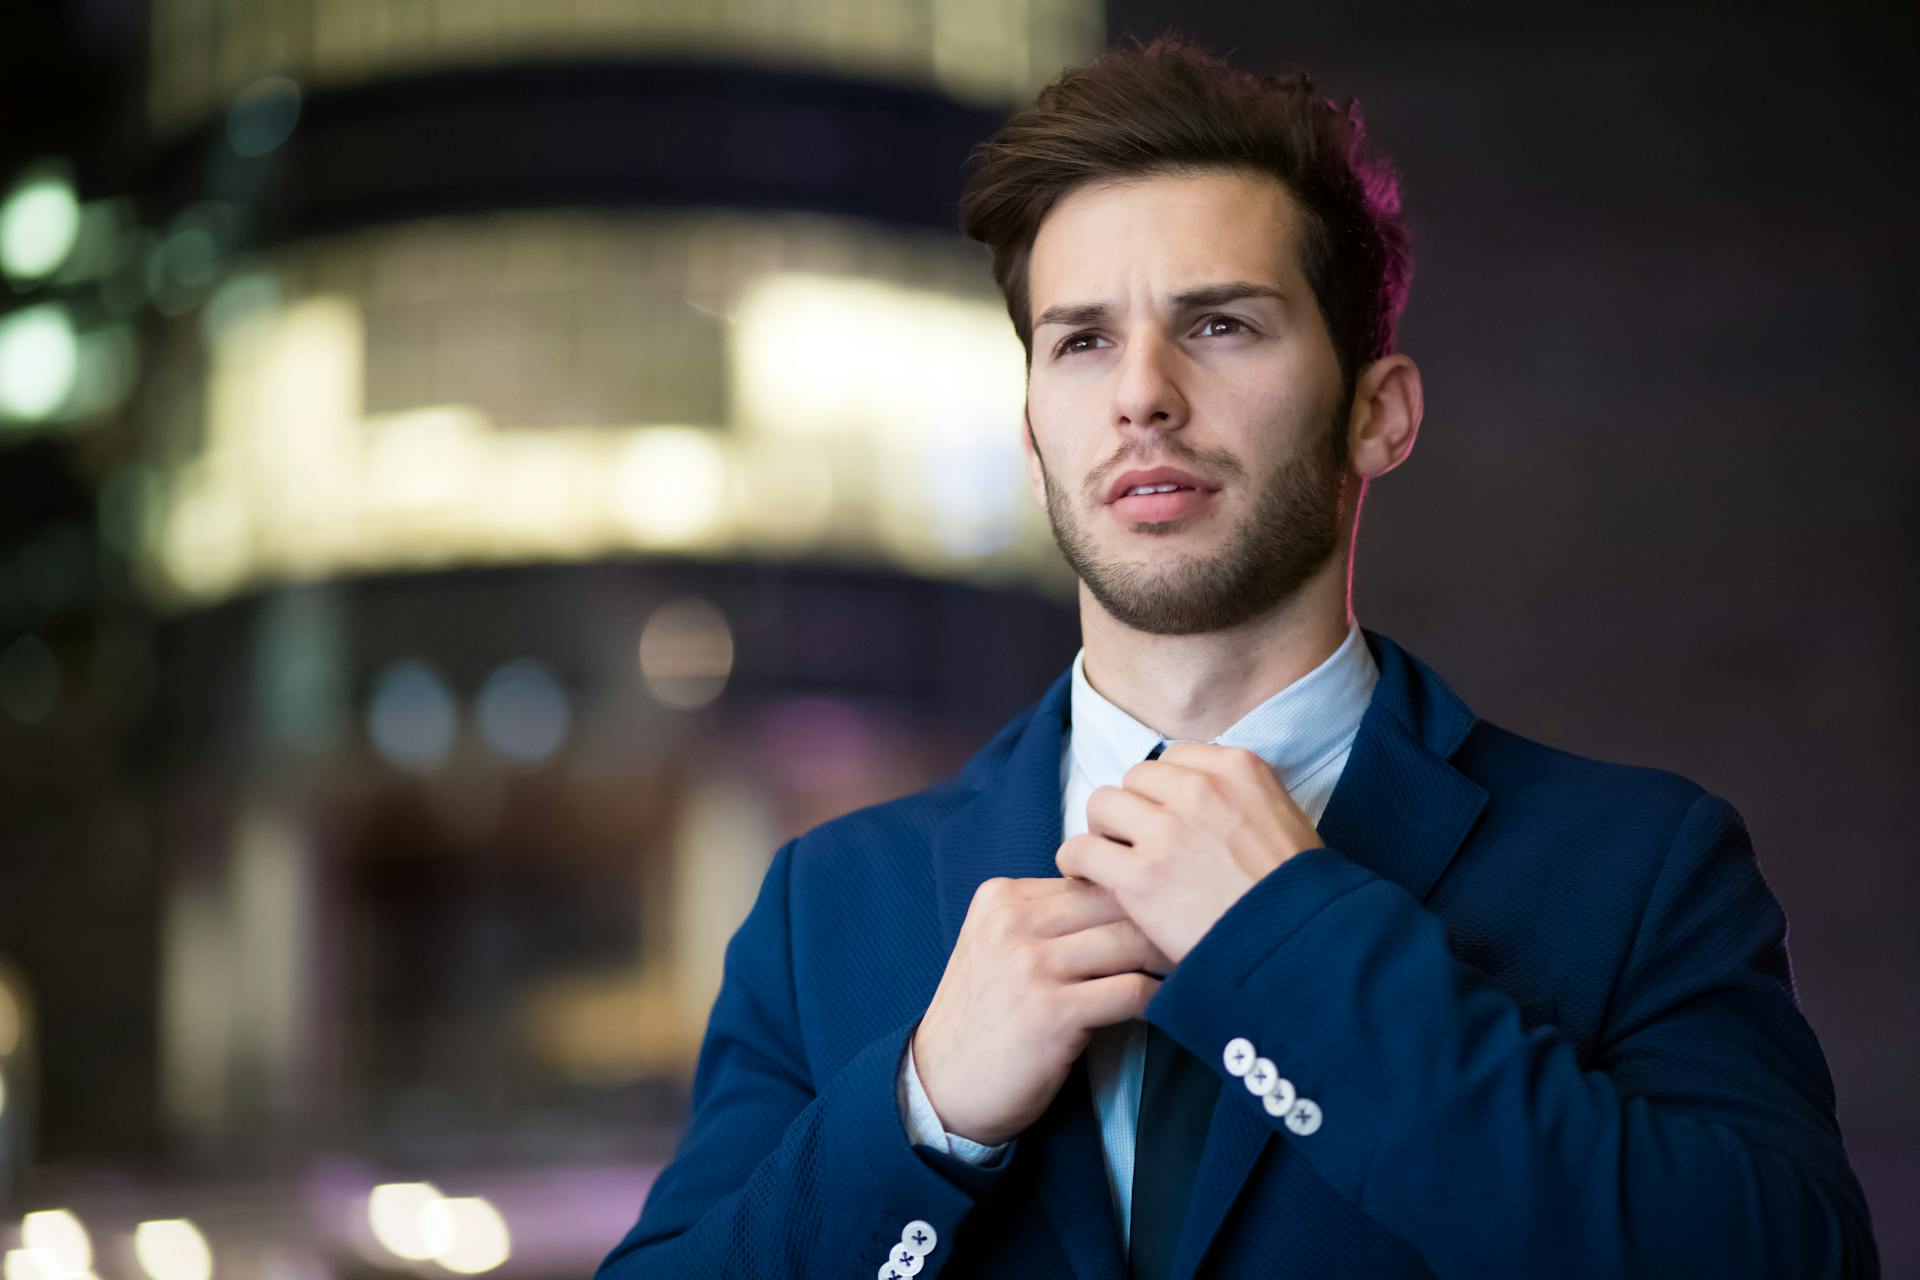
1249, 949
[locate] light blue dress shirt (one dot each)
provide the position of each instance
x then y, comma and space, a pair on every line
1305, 732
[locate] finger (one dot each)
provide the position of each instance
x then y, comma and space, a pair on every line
1123, 815
1037, 887
1162, 783
1206, 776
1102, 1002
1082, 905
1229, 764
1096, 858
1205, 756
1000, 890
1104, 950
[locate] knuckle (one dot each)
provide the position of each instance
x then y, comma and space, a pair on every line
1013, 920
1028, 963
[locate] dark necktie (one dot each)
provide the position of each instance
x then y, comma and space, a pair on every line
1177, 1093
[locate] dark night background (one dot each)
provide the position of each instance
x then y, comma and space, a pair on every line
1665, 508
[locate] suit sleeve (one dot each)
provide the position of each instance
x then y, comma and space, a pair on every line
1701, 1139
775, 1176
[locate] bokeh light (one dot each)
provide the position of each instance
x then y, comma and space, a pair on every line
263, 115
172, 1249
60, 1236
106, 360
523, 711
396, 1212
39, 358
246, 296
29, 1264
469, 1234
671, 484
413, 718
39, 222
686, 653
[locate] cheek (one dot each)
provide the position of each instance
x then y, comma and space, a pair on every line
1059, 413
1051, 401
1273, 419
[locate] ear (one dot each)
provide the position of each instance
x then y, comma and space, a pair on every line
1036, 475
1387, 403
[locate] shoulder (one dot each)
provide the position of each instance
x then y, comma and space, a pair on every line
1524, 776
891, 841
878, 837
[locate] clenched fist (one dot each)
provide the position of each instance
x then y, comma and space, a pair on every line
1038, 965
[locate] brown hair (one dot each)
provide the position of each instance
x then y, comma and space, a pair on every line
1169, 106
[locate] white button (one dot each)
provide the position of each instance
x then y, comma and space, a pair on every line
1239, 1056
1261, 1077
890, 1272
1305, 1116
903, 1261
920, 1236
1280, 1101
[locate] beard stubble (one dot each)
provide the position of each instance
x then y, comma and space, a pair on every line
1289, 535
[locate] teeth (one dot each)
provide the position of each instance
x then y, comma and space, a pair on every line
1151, 488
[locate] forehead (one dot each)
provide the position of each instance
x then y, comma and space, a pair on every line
1164, 232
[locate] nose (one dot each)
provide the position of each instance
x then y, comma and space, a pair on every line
1147, 395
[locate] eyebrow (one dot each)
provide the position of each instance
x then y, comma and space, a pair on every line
1206, 295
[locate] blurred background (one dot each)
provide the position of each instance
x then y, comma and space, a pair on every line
477, 475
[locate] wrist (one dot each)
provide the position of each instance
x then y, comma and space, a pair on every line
952, 1122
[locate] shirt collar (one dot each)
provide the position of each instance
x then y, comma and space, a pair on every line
1297, 731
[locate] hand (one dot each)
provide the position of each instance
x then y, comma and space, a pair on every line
1038, 965
1185, 836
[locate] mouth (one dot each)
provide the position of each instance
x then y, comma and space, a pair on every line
1158, 496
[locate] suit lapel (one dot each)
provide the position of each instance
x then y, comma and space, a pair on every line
1010, 826
1401, 811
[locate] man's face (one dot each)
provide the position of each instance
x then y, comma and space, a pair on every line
1177, 342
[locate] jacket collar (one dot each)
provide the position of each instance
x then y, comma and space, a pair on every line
1010, 824
1298, 731
1400, 809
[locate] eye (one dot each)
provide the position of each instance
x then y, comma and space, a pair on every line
1077, 342
1223, 327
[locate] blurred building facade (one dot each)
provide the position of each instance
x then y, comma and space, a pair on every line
489, 472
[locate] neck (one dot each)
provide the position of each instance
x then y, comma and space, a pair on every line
1197, 686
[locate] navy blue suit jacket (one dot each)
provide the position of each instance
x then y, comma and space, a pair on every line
1543, 1002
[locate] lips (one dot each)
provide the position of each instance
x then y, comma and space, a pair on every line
1159, 497
1158, 478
